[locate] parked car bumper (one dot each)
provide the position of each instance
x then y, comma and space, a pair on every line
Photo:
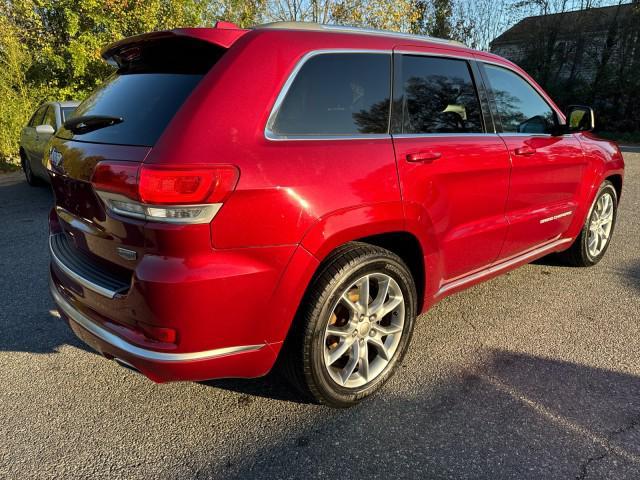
162, 366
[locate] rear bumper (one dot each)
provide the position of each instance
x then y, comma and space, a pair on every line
161, 366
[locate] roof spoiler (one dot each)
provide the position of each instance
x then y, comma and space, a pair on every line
224, 34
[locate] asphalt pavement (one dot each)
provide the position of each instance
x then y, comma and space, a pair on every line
535, 374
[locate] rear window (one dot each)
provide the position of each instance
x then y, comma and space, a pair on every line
337, 94
146, 91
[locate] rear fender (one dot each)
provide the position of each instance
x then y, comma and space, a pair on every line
322, 238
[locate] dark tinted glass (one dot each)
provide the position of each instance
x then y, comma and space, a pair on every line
521, 108
438, 96
153, 80
67, 112
337, 94
145, 101
50, 117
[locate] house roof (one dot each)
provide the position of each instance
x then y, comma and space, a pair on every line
589, 20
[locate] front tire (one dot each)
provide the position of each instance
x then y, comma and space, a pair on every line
32, 180
353, 327
592, 243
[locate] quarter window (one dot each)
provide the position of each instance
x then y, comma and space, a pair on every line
437, 95
337, 94
520, 106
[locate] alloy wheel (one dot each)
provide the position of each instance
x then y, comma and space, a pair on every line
600, 225
364, 330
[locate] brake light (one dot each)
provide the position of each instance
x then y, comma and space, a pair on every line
184, 186
116, 177
165, 194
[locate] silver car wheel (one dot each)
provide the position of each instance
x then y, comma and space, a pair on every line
600, 225
364, 330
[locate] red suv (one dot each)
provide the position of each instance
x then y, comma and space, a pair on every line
300, 193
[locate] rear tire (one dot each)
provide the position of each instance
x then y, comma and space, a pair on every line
595, 236
343, 348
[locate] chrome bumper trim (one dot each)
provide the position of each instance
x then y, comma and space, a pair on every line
112, 339
105, 292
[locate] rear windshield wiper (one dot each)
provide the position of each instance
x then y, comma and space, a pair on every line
89, 123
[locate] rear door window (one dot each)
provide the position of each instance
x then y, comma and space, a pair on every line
337, 94
520, 106
436, 95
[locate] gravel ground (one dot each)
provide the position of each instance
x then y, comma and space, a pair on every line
535, 374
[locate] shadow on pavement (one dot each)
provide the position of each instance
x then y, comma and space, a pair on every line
632, 274
517, 416
26, 319
273, 386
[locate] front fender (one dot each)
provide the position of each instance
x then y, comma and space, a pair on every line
604, 159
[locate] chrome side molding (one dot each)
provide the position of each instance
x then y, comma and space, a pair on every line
547, 247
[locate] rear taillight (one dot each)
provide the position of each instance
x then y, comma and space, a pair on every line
185, 194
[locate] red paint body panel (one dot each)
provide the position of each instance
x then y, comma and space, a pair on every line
457, 200
544, 184
239, 280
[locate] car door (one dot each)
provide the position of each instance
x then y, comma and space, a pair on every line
547, 168
41, 141
453, 168
28, 139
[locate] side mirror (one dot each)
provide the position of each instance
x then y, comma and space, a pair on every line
580, 118
44, 130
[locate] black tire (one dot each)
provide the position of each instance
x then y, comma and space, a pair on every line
31, 178
578, 254
303, 361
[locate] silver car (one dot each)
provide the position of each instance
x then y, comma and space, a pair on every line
35, 136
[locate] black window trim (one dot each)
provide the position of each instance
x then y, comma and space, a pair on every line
486, 115
272, 136
494, 107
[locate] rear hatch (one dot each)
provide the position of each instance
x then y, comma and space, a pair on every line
117, 126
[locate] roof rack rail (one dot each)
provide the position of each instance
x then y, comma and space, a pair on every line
357, 30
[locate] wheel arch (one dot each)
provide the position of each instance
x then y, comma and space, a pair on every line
616, 180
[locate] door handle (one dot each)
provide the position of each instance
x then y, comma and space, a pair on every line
526, 150
423, 156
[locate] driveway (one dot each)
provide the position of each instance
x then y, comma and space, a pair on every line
535, 374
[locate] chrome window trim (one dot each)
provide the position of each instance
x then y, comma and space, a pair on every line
546, 135
464, 58
139, 352
272, 136
444, 135
105, 292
